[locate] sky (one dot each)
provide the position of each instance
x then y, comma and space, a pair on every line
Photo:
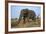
15, 10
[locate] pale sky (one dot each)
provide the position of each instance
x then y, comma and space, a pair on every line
15, 10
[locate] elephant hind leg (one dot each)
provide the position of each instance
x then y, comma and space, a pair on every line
34, 19
24, 20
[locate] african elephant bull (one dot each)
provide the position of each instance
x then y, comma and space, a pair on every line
26, 13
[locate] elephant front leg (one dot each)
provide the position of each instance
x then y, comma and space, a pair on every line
24, 19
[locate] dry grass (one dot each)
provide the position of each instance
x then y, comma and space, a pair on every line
27, 24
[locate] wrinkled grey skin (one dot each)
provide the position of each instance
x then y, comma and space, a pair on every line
29, 14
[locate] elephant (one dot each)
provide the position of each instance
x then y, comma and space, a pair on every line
26, 13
